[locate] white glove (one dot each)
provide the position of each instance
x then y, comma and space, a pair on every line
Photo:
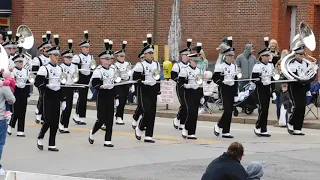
50, 86
63, 105
202, 101
274, 96
236, 99
158, 97
107, 86
308, 93
117, 102
76, 95
132, 88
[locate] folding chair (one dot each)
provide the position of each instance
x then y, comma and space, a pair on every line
313, 102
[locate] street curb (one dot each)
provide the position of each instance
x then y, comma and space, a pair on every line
205, 117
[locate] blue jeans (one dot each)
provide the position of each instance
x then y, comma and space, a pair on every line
3, 135
278, 104
94, 93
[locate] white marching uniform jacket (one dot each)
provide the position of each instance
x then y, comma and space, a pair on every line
146, 69
176, 70
51, 74
264, 72
102, 78
225, 73
299, 68
83, 61
69, 70
39, 61
21, 76
188, 76
121, 67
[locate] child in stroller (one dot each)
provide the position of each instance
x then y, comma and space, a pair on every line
246, 100
285, 105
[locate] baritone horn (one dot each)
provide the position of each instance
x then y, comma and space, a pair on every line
93, 64
31, 78
75, 77
63, 78
199, 79
305, 38
156, 74
116, 77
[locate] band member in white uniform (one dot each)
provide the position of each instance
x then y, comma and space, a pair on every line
22, 93
177, 67
138, 112
122, 67
263, 70
42, 60
298, 91
67, 92
83, 61
103, 81
149, 90
48, 80
193, 93
224, 75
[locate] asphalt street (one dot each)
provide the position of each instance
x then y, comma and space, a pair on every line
283, 156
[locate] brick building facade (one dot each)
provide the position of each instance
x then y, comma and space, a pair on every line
206, 21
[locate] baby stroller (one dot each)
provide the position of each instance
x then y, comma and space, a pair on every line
245, 100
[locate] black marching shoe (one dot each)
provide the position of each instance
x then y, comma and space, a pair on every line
108, 145
138, 136
258, 133
91, 141
149, 140
298, 133
38, 145
216, 130
54, 149
227, 135
192, 137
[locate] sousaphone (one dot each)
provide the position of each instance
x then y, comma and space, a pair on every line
304, 38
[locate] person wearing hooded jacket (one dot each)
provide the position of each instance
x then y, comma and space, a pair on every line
227, 166
254, 170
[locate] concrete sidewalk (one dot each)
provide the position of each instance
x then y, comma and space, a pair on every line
171, 112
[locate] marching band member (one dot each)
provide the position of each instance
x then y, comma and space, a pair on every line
224, 75
148, 91
102, 80
42, 60
298, 91
83, 61
48, 80
123, 90
67, 92
263, 70
177, 67
138, 112
193, 94
21, 93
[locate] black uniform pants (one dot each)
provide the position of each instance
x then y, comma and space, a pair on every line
51, 113
105, 110
20, 107
123, 91
40, 103
263, 96
298, 96
81, 108
148, 101
182, 113
227, 94
138, 112
192, 98
65, 115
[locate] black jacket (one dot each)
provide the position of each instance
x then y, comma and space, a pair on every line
225, 168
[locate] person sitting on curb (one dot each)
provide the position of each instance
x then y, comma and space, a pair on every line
227, 166
254, 170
